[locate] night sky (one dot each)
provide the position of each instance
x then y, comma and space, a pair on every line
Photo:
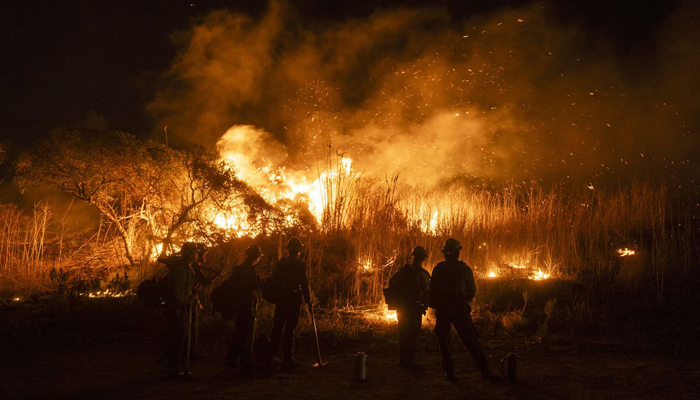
92, 63
99, 65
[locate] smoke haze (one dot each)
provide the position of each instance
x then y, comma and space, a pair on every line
512, 95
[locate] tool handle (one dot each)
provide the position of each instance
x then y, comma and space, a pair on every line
318, 346
189, 338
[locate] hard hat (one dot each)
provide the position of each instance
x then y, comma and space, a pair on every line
294, 243
419, 251
188, 248
451, 245
253, 251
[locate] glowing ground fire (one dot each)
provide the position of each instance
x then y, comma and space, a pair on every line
626, 252
107, 293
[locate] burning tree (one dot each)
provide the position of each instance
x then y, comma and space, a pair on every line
193, 190
142, 189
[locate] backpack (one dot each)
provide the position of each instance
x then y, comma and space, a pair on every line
402, 288
394, 293
154, 292
272, 290
453, 290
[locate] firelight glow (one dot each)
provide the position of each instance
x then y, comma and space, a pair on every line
626, 252
391, 316
539, 275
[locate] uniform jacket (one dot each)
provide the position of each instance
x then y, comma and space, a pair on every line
181, 282
415, 286
452, 286
243, 284
290, 275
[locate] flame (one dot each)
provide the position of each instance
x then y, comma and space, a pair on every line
16, 299
366, 265
626, 252
259, 160
391, 316
539, 275
492, 274
431, 225
107, 293
380, 314
434, 221
155, 252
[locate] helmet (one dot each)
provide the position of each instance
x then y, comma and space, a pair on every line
451, 245
253, 251
419, 251
295, 243
188, 248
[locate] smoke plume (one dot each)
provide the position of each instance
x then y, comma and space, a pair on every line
514, 95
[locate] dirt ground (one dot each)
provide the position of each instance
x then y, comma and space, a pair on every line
125, 366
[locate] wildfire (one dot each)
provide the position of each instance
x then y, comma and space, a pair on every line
539, 275
366, 265
155, 252
492, 274
391, 316
626, 252
107, 293
246, 148
433, 221
379, 313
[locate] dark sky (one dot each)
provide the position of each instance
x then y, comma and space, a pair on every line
98, 63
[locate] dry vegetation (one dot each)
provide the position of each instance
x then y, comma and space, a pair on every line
369, 228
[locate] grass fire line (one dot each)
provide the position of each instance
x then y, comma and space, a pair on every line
366, 226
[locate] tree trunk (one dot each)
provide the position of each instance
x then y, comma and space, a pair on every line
122, 232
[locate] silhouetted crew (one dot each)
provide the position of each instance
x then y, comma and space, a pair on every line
243, 284
291, 286
201, 281
178, 304
452, 287
413, 283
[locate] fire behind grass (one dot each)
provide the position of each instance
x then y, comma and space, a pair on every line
362, 229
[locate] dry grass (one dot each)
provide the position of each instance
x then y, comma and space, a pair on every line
369, 228
33, 243
514, 233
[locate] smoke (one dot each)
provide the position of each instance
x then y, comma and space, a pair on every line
514, 95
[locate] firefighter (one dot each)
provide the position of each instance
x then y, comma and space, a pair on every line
413, 283
290, 286
179, 303
201, 281
452, 287
243, 285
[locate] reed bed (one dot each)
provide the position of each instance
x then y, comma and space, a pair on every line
515, 233
369, 228
37, 248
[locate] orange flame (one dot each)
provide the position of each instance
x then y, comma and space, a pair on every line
626, 252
